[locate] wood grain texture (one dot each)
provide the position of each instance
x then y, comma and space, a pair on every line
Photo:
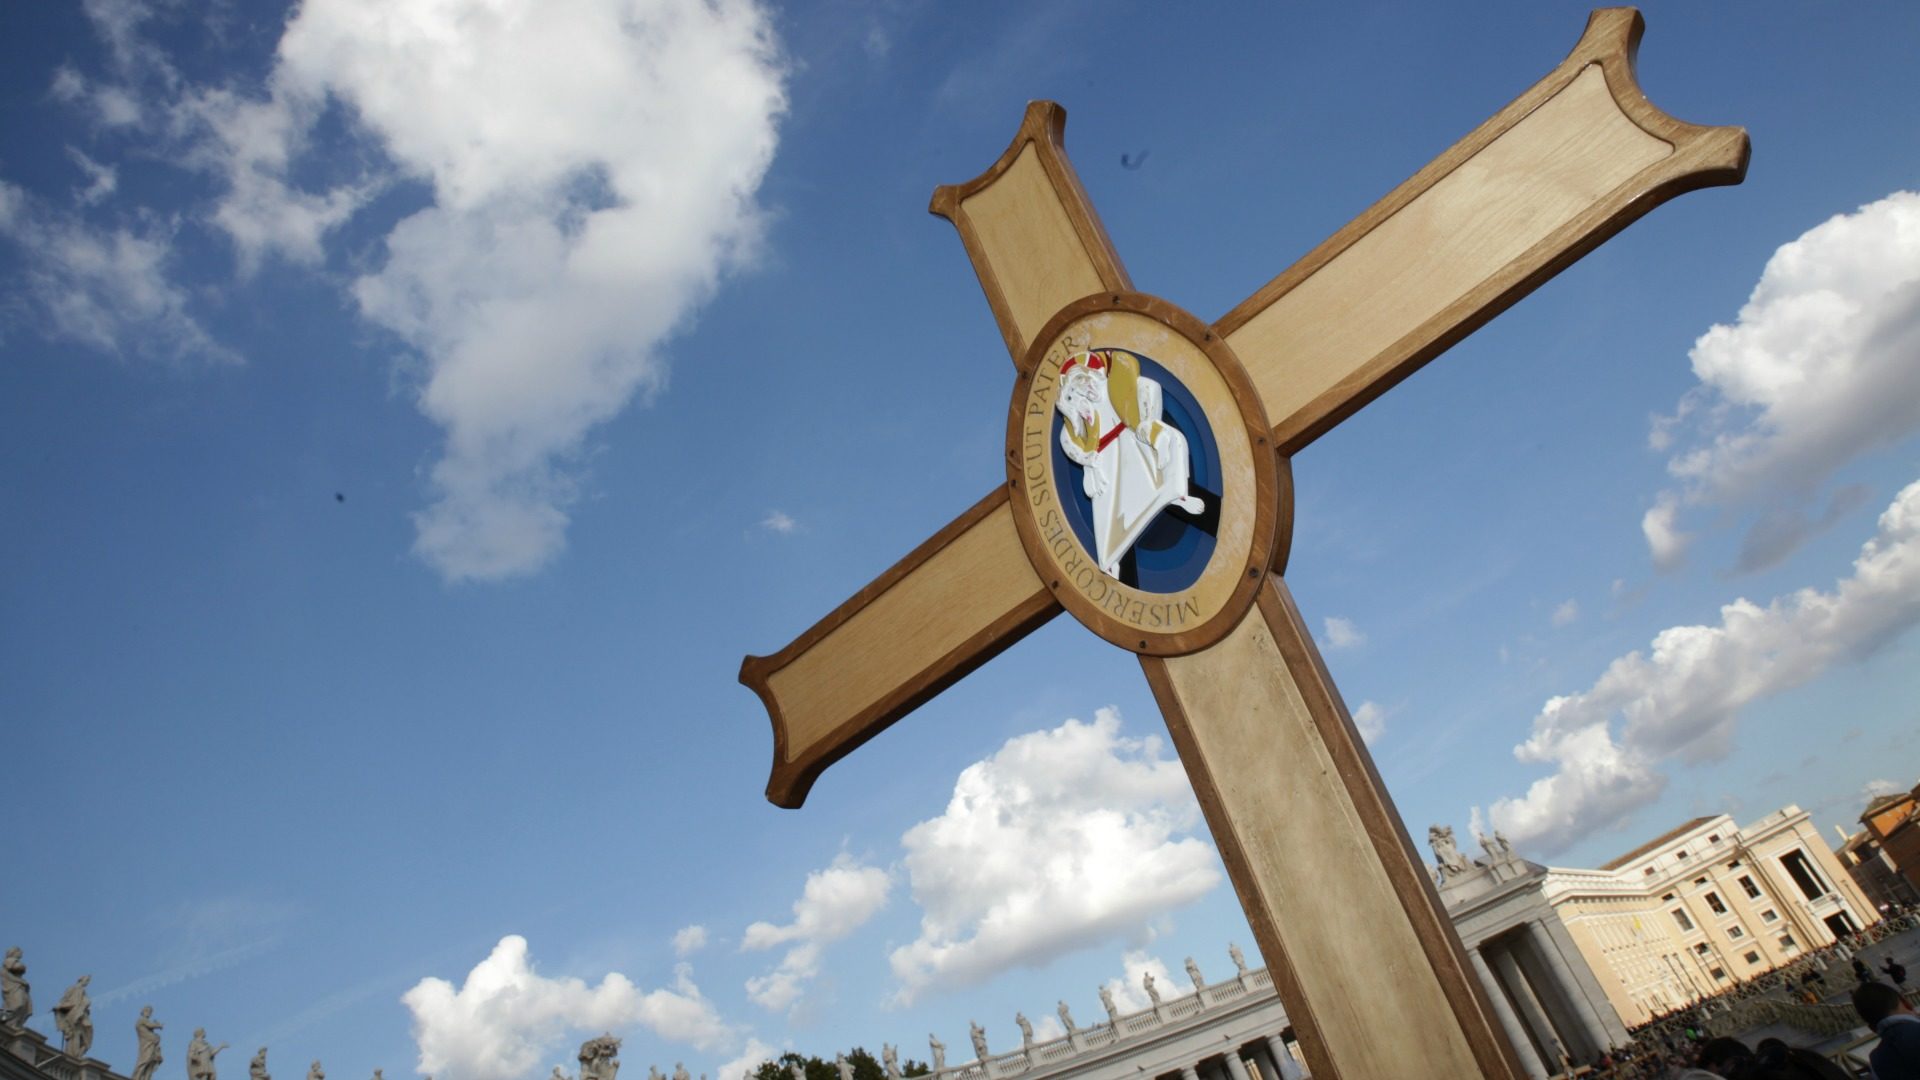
951, 605
1368, 967
1563, 167
1031, 231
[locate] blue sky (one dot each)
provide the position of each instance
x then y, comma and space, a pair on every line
414, 411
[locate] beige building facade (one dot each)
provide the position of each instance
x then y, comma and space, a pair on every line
1705, 906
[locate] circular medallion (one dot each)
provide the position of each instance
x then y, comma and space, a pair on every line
1146, 489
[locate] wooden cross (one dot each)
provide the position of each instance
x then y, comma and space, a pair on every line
1368, 967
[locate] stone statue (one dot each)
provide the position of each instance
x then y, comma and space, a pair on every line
1440, 837
1193, 972
559, 1074
600, 1058
315, 1072
257, 1068
74, 1017
680, 1071
377, 1076
1505, 848
939, 1052
1153, 992
146, 1035
1239, 958
794, 1069
840, 1064
890, 1057
200, 1056
1113, 1011
979, 1035
1066, 1019
16, 997
654, 1073
1026, 1030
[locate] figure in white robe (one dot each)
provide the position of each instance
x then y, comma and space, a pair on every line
1133, 465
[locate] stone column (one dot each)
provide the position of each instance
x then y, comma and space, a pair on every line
1188, 1072
1510, 1023
1562, 969
1289, 1068
1236, 1068
1531, 1011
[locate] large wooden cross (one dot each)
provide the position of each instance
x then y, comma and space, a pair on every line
1148, 492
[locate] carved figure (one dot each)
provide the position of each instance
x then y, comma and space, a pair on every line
377, 1076
1153, 992
315, 1072
200, 1056
890, 1057
680, 1071
1113, 1011
559, 1074
257, 1068
1506, 848
939, 1050
979, 1035
1193, 972
654, 1073
1440, 837
1026, 1030
840, 1065
600, 1058
73, 1015
1066, 1019
1132, 465
794, 1069
146, 1037
1239, 958
16, 996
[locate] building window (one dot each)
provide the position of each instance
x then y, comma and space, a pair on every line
1701, 948
1734, 865
1753, 957
1699, 881
1717, 973
1648, 871
1802, 872
1680, 917
1681, 854
1667, 899
1713, 838
1735, 932
1747, 884
1769, 915
1787, 942
1719, 906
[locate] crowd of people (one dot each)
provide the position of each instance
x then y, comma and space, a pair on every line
1679, 1045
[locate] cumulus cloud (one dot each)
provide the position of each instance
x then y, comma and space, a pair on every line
108, 287
750, 1059
1566, 613
689, 940
834, 902
778, 521
500, 1022
1061, 839
1129, 990
591, 169
1680, 699
1817, 370
1343, 634
1371, 720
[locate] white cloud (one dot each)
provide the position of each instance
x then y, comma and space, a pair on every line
102, 180
1371, 720
1061, 839
1680, 700
592, 167
750, 1059
1665, 540
1343, 634
1873, 789
1817, 370
779, 522
506, 1016
1566, 613
689, 940
834, 902
1129, 990
108, 288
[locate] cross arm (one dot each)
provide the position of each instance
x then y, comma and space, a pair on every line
1570, 162
951, 605
1030, 230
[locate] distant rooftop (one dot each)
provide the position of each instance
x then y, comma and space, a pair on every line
1658, 841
